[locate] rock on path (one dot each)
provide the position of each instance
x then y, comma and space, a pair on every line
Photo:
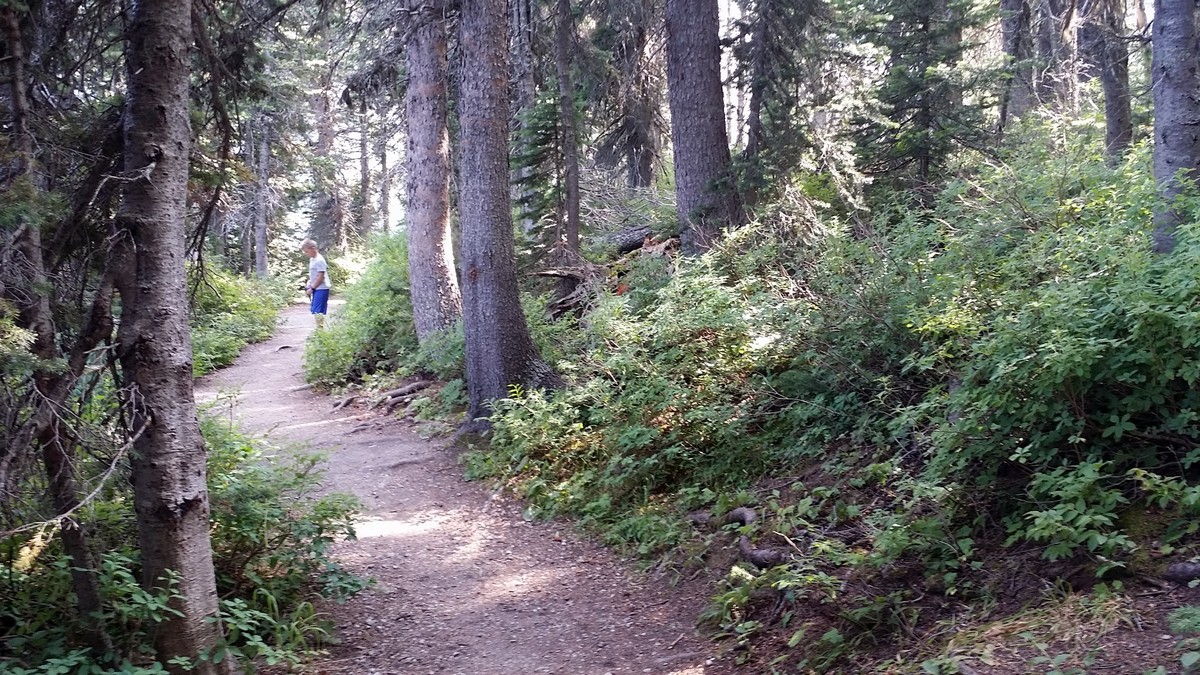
463, 584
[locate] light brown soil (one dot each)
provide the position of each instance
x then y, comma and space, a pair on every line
464, 584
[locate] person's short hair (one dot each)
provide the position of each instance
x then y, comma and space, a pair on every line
307, 244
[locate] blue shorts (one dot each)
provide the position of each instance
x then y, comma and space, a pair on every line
320, 301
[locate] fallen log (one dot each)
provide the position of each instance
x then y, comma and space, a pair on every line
388, 396
408, 388
629, 238
392, 403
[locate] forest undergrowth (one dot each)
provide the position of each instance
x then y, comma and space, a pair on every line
870, 436
271, 530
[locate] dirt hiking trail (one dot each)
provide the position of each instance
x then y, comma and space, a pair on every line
464, 585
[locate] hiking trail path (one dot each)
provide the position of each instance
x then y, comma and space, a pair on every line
463, 584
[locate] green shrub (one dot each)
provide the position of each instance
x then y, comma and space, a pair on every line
374, 330
271, 529
271, 537
673, 408
443, 355
1015, 349
230, 312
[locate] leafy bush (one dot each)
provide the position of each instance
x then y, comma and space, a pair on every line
36, 638
374, 330
675, 407
229, 312
271, 535
271, 530
1014, 349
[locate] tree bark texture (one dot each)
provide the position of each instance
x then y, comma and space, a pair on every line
500, 351
262, 198
1175, 73
706, 201
437, 302
170, 493
524, 80
564, 32
1102, 42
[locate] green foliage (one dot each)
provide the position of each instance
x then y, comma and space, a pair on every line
537, 163
38, 640
443, 355
671, 409
229, 312
271, 530
271, 535
1185, 622
374, 330
1013, 354
15, 343
933, 97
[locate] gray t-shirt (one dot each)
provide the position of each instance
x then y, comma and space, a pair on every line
317, 264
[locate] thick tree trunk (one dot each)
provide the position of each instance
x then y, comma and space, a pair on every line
1175, 74
563, 44
500, 351
364, 169
437, 303
706, 201
1113, 57
524, 80
262, 202
170, 494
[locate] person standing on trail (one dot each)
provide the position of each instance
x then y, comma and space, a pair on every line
318, 282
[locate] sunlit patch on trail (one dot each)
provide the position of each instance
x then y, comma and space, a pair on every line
399, 529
